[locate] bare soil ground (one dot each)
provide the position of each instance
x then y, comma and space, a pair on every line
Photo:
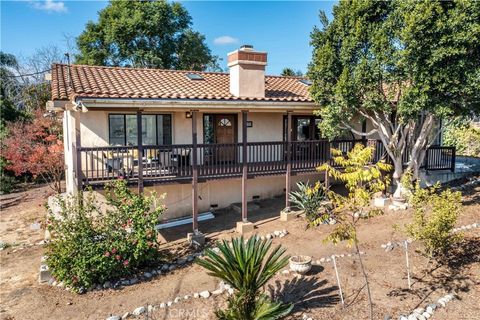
316, 294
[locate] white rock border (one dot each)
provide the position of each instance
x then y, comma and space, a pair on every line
222, 289
428, 311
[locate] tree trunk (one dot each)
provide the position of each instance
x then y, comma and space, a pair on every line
397, 176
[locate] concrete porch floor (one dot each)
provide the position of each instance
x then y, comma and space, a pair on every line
225, 220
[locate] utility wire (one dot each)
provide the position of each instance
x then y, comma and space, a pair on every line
28, 74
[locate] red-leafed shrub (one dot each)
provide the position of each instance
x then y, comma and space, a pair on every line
35, 147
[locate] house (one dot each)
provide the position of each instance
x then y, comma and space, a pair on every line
205, 136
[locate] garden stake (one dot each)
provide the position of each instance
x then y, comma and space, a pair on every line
338, 280
408, 266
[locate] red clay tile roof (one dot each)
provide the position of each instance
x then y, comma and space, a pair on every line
133, 83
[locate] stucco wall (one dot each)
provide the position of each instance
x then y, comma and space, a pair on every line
266, 127
178, 197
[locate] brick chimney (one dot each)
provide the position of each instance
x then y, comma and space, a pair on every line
247, 72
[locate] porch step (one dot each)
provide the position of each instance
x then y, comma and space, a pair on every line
251, 206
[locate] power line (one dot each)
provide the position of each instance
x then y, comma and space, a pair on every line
28, 74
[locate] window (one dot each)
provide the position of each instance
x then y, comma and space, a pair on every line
305, 82
303, 127
224, 123
156, 129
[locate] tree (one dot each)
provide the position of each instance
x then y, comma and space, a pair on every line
246, 267
362, 180
35, 147
154, 34
402, 65
289, 72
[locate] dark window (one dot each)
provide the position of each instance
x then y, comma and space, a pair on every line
303, 127
156, 129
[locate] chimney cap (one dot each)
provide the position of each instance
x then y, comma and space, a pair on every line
248, 47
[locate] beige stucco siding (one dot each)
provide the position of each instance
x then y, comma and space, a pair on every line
222, 193
265, 127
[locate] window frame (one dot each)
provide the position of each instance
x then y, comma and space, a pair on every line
125, 126
311, 130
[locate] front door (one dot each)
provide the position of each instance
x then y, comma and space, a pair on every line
225, 134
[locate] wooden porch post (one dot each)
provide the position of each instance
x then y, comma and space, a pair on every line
140, 151
289, 161
78, 154
245, 165
194, 172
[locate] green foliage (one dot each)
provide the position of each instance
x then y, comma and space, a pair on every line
464, 137
313, 201
89, 246
155, 34
422, 53
362, 180
435, 215
247, 268
289, 72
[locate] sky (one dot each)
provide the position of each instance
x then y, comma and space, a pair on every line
281, 28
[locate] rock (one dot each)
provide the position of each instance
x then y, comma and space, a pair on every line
181, 261
281, 235
169, 303
98, 287
190, 258
163, 305
165, 268
426, 315
205, 294
441, 302
419, 310
81, 290
139, 311
114, 318
171, 268
230, 291
150, 308
332, 221
342, 255
268, 236
402, 317
383, 246
322, 260
328, 260
177, 300
285, 272
125, 315
217, 292
285, 231
186, 297
412, 317
153, 272
125, 282
196, 295
276, 233
133, 280
148, 275
387, 317
107, 285
433, 306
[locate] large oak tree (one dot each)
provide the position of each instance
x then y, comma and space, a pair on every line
155, 34
402, 65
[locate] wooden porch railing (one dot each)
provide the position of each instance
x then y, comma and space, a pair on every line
173, 163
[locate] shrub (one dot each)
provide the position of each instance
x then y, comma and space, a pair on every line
465, 137
246, 267
313, 201
89, 246
435, 215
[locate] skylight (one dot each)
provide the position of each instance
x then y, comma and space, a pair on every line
194, 76
305, 82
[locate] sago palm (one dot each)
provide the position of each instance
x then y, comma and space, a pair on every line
247, 268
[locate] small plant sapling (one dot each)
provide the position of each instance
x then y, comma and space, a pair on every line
362, 180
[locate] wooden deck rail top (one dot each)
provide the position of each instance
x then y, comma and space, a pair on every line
174, 163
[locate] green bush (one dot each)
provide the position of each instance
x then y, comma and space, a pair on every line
313, 201
435, 215
465, 138
89, 246
7, 181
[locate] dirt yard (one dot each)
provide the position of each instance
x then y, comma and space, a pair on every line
315, 295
